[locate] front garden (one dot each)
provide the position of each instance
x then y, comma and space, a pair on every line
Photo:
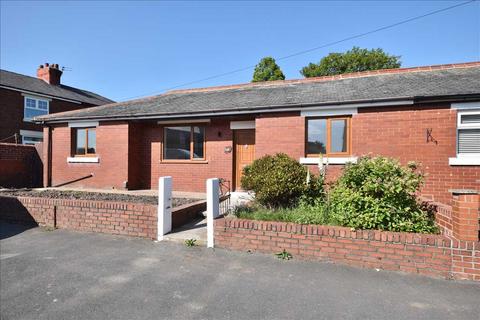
375, 193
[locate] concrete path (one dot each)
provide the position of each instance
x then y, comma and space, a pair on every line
69, 275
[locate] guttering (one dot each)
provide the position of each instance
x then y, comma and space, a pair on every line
250, 110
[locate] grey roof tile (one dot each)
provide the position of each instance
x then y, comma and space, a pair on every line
27, 83
386, 86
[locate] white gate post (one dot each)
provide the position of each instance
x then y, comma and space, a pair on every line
164, 219
213, 209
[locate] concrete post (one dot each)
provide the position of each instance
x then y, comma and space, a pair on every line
213, 208
164, 219
465, 215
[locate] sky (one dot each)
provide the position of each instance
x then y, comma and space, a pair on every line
124, 50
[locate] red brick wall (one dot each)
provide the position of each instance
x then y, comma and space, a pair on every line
188, 176
430, 255
20, 166
112, 149
276, 133
131, 219
12, 105
400, 132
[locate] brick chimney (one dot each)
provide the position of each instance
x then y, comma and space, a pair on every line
50, 73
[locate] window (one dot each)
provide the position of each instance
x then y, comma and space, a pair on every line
84, 141
34, 107
328, 136
468, 133
184, 143
31, 137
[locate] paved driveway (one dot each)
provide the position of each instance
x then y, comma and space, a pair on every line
70, 275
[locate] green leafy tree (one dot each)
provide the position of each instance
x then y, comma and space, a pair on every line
267, 70
354, 60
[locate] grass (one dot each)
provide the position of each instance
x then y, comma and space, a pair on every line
316, 214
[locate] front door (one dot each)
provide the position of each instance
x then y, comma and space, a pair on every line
244, 141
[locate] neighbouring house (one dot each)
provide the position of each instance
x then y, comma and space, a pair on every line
426, 114
23, 97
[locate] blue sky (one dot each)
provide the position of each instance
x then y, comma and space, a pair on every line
129, 49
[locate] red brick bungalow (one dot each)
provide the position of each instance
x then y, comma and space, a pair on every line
427, 114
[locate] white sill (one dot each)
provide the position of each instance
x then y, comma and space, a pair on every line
331, 160
83, 159
473, 160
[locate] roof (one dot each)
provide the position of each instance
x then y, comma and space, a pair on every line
22, 82
382, 85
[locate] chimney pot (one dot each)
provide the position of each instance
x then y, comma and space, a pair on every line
49, 73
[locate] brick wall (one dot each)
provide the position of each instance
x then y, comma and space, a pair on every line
12, 106
400, 132
20, 166
131, 219
187, 176
132, 151
431, 255
112, 149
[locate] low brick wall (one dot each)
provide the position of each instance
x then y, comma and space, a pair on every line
431, 255
131, 219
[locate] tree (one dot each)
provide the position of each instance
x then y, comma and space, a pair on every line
267, 70
354, 60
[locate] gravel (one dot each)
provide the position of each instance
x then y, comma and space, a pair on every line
94, 196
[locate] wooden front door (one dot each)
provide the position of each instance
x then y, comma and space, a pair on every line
244, 141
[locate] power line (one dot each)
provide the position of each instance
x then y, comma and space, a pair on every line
312, 49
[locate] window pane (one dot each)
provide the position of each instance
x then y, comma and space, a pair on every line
469, 141
30, 113
92, 141
177, 143
30, 103
317, 136
338, 141
42, 104
80, 143
470, 118
31, 140
198, 138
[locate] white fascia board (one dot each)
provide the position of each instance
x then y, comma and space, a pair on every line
330, 160
465, 105
324, 112
352, 108
239, 125
30, 133
83, 124
464, 160
83, 159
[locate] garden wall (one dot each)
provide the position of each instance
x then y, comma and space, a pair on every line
431, 255
131, 219
20, 165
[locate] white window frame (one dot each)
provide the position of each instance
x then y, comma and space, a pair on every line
36, 99
465, 159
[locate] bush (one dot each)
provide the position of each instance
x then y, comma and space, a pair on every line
379, 193
279, 181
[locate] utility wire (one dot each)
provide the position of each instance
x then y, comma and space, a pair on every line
312, 49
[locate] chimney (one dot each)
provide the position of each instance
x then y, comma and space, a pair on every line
50, 73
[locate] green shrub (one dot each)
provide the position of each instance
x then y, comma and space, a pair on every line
379, 193
279, 181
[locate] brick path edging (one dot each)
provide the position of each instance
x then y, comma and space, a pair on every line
431, 255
